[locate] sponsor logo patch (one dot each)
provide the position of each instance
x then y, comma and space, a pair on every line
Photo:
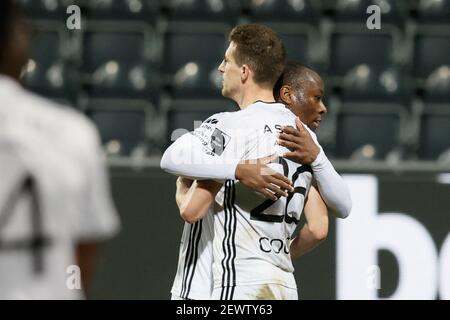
219, 141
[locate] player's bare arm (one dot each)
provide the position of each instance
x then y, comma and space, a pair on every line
195, 199
185, 188
315, 230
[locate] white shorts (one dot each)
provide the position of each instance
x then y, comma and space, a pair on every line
270, 291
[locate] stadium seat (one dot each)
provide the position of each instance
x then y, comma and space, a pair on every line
203, 10
47, 72
300, 40
433, 11
437, 86
392, 11
354, 45
434, 132
431, 51
372, 130
102, 47
123, 9
46, 9
138, 81
298, 47
117, 62
122, 123
301, 11
191, 57
366, 84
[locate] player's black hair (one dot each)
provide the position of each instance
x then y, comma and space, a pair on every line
8, 12
293, 74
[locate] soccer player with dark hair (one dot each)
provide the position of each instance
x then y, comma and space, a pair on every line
301, 89
55, 203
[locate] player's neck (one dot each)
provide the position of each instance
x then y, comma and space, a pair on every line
251, 96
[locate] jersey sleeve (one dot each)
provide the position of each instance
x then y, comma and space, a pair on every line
98, 218
313, 136
203, 153
332, 187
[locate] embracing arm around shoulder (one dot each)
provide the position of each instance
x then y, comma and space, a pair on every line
195, 199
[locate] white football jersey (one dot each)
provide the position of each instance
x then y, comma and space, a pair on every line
194, 278
252, 233
54, 194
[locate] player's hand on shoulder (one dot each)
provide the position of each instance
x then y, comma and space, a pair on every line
303, 149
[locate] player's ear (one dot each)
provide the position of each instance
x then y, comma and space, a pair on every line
245, 72
286, 95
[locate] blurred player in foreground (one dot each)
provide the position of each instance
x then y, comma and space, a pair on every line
55, 203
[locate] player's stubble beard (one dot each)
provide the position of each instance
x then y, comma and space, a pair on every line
230, 87
226, 90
